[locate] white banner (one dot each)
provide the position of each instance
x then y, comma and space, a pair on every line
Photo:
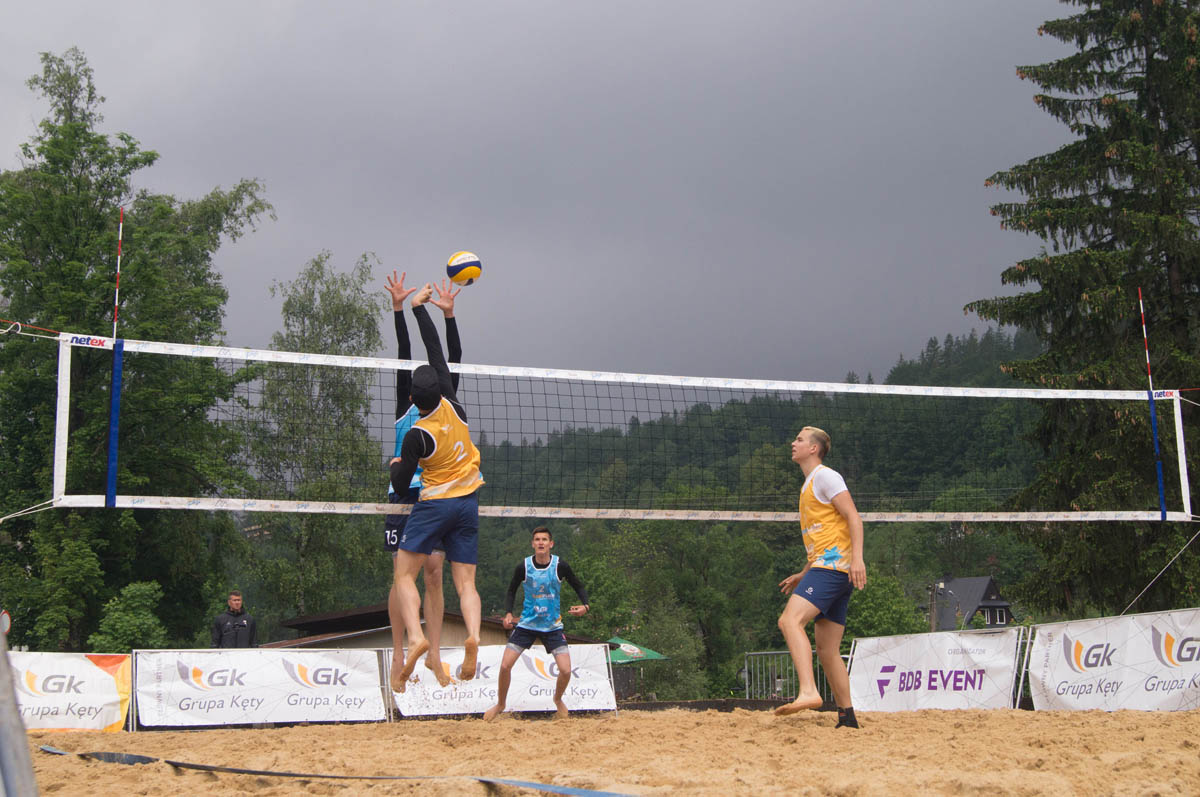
71, 691
532, 687
946, 670
245, 686
1147, 662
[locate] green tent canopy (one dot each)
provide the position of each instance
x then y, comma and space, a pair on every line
627, 652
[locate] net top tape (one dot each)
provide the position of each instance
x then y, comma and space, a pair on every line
298, 358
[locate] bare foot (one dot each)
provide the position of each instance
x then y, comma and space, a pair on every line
801, 703
560, 709
439, 671
469, 657
400, 679
493, 712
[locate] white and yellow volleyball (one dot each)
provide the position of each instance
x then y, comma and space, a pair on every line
464, 268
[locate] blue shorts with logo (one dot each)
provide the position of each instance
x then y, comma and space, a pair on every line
522, 639
446, 524
393, 525
828, 590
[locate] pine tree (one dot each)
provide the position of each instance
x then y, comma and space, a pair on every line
1117, 211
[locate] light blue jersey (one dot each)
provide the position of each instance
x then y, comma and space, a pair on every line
543, 610
403, 424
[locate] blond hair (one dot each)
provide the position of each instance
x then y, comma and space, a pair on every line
821, 438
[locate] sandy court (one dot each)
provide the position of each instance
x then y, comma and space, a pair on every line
660, 752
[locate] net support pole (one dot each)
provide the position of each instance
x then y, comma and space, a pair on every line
114, 415
62, 420
16, 768
1181, 452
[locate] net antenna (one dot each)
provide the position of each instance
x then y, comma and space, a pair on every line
583, 444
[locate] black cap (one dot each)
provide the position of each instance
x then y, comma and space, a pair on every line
426, 389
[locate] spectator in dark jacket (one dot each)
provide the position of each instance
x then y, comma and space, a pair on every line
233, 628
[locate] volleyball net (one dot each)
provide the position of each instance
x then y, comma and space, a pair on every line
314, 433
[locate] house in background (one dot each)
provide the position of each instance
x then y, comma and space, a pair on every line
955, 601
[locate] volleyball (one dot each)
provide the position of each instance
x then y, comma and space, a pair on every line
463, 268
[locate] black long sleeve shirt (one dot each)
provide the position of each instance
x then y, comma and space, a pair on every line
404, 352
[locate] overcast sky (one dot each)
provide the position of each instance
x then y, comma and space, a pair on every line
783, 190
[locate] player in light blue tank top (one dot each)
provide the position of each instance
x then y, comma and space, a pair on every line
542, 587
403, 424
541, 617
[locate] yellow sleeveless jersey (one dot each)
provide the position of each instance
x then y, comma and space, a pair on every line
826, 532
452, 470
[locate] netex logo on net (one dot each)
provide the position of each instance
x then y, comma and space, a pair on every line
88, 340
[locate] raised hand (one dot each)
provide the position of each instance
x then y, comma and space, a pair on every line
422, 295
396, 288
445, 299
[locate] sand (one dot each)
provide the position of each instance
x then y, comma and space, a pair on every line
661, 752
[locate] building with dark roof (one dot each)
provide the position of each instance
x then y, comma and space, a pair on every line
957, 600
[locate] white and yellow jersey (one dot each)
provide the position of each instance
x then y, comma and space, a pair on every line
452, 470
826, 532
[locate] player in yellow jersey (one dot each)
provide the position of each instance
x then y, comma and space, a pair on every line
446, 515
833, 538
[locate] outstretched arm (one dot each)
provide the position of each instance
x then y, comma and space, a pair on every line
565, 573
395, 287
445, 300
433, 346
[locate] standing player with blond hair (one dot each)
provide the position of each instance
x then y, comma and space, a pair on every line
833, 539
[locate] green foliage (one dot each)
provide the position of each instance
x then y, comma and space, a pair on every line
58, 230
881, 608
1117, 211
310, 563
129, 621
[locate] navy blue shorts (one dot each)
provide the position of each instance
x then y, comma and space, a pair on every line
446, 524
554, 642
393, 525
828, 590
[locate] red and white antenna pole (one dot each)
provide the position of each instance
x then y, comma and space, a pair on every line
1145, 340
117, 289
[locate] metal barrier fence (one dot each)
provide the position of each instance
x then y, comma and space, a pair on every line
770, 675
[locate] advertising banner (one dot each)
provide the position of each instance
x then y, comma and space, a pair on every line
946, 670
1147, 662
532, 687
71, 691
246, 686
